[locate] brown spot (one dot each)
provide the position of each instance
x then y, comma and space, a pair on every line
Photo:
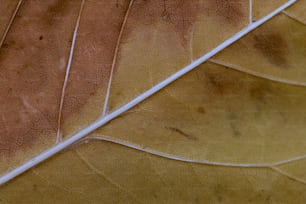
41, 37
201, 110
180, 132
220, 84
273, 47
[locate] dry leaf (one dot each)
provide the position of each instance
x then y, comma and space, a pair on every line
230, 131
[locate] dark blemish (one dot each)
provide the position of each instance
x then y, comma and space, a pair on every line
201, 110
41, 37
191, 137
220, 85
5, 45
273, 47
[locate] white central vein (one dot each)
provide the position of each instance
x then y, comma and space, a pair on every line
97, 124
115, 58
59, 135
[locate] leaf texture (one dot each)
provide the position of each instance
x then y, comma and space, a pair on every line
231, 131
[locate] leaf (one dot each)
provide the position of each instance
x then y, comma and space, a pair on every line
226, 130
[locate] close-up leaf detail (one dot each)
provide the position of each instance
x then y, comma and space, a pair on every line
152, 101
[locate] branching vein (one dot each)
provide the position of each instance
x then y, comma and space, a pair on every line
294, 17
257, 74
107, 118
59, 133
115, 58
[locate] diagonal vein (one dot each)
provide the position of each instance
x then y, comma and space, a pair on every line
115, 57
257, 74
101, 174
294, 17
97, 124
10, 23
59, 134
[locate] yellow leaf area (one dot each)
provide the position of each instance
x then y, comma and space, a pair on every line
231, 131
101, 172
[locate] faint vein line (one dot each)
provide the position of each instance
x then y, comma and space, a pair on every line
207, 162
10, 23
115, 57
294, 17
195, 173
257, 74
288, 175
173, 157
102, 121
59, 133
53, 184
286, 161
155, 170
101, 174
175, 98
191, 44
271, 165
250, 12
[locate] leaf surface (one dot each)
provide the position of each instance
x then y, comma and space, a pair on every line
232, 130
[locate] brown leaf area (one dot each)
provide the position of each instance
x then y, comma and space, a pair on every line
231, 131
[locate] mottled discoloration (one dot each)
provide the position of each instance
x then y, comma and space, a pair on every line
33, 63
30, 76
178, 16
228, 11
220, 84
273, 47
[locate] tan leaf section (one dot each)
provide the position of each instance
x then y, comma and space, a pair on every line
105, 172
297, 13
218, 114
